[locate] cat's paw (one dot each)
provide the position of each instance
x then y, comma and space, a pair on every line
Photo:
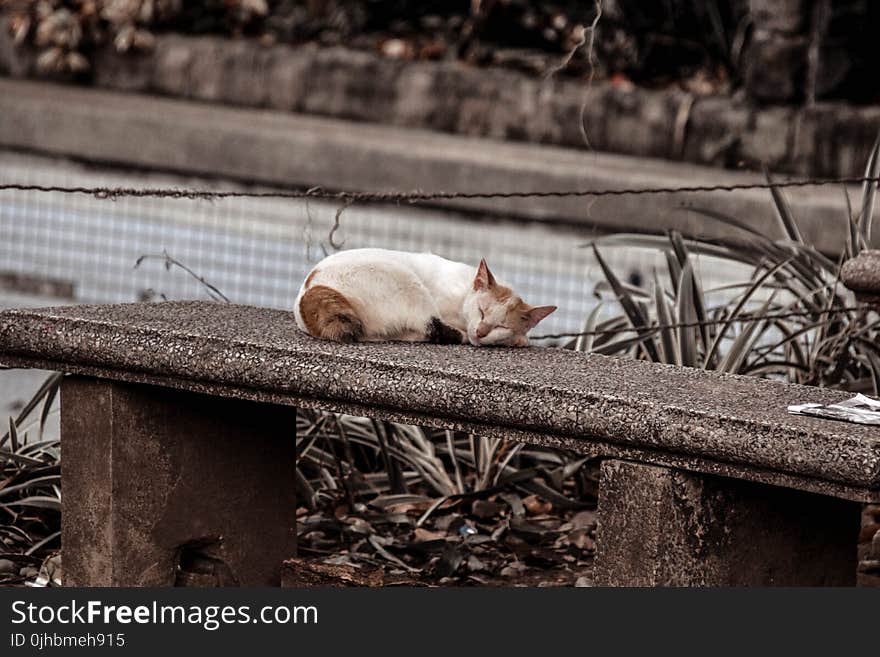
439, 332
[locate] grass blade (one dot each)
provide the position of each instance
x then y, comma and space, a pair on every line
783, 210
37, 501
671, 354
736, 311
874, 362
630, 307
585, 342
13, 435
50, 397
869, 192
742, 346
687, 314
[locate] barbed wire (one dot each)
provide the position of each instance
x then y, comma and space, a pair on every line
417, 196
653, 328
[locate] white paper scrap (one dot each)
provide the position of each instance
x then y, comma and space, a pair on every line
860, 409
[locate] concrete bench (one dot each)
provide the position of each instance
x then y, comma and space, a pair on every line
178, 429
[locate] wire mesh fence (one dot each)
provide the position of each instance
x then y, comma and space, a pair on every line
258, 250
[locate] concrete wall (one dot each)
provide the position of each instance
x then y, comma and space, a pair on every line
294, 150
825, 139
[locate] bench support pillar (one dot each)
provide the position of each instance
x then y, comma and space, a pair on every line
163, 487
664, 527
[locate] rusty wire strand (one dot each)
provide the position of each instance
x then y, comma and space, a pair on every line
417, 196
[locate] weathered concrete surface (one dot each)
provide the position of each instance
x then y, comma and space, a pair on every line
290, 150
160, 482
862, 275
684, 413
663, 527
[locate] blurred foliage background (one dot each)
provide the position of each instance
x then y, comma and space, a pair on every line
648, 42
702, 45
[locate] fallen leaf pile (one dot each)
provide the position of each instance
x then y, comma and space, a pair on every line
504, 539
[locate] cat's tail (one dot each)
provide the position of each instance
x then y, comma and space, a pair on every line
329, 314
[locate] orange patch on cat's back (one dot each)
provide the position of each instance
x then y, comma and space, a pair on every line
329, 314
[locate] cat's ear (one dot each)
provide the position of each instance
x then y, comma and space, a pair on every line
484, 278
538, 313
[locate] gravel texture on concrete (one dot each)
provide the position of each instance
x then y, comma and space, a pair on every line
589, 399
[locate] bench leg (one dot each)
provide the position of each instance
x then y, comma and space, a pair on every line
664, 527
162, 487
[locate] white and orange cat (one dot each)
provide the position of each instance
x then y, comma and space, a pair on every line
367, 295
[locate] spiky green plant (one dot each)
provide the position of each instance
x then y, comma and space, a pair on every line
826, 344
346, 457
30, 484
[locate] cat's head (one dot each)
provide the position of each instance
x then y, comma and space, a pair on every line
495, 315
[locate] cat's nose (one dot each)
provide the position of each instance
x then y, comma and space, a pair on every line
483, 331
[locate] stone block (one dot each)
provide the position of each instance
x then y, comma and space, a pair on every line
564, 108
767, 138
160, 484
715, 130
776, 67
477, 98
663, 527
635, 121
791, 16
834, 140
350, 84
206, 69
16, 61
287, 77
132, 72
171, 72
245, 67
414, 95
516, 104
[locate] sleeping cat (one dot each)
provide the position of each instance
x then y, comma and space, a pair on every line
366, 295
